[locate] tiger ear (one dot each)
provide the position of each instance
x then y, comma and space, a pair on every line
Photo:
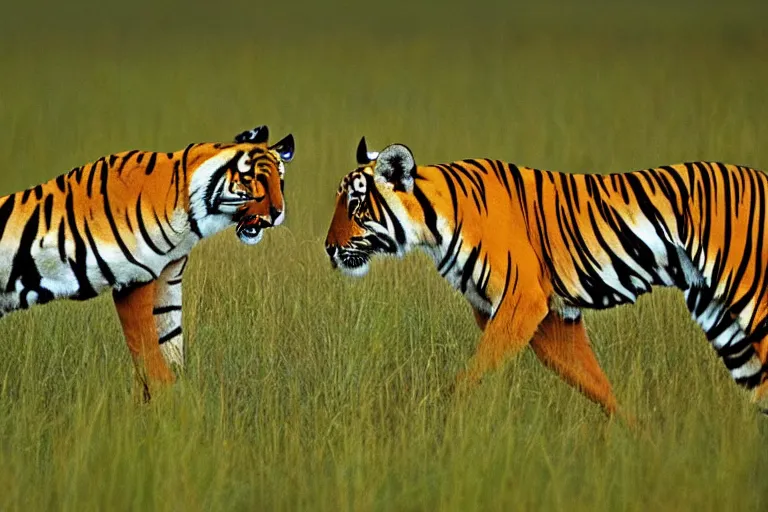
285, 148
396, 165
258, 135
365, 157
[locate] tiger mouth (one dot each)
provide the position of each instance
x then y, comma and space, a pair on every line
250, 229
353, 260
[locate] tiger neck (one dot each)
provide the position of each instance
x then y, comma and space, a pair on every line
205, 161
443, 220
452, 235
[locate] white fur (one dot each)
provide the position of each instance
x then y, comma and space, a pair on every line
750, 368
280, 218
354, 271
170, 295
201, 178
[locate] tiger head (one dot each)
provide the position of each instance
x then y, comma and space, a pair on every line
242, 185
376, 211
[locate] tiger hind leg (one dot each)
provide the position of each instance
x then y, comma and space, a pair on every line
744, 355
134, 307
760, 391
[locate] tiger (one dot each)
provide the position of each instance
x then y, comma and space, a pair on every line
530, 249
127, 223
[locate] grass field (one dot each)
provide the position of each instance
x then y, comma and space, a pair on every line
306, 390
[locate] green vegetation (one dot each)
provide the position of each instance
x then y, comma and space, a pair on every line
306, 390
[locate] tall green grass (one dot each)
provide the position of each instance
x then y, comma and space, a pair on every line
305, 390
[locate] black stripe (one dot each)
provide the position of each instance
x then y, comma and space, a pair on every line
758, 198
485, 277
169, 336
162, 231
647, 207
753, 380
522, 197
184, 161
480, 167
476, 201
456, 178
575, 230
62, 242
571, 321
91, 174
85, 291
475, 181
737, 351
128, 220
707, 202
728, 215
623, 188
575, 191
469, 266
738, 186
79, 174
497, 172
390, 215
103, 267
454, 196
451, 247
48, 211
713, 179
60, 182
23, 266
113, 226
160, 310
183, 265
175, 181
172, 282
506, 281
430, 217
649, 179
5, 212
502, 175
745, 261
151, 164
126, 157
143, 229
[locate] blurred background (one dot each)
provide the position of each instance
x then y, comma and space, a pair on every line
308, 390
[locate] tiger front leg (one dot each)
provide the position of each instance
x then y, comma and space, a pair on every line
508, 332
563, 346
167, 312
134, 308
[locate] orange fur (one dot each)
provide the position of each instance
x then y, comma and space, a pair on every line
530, 248
127, 222
564, 347
134, 309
